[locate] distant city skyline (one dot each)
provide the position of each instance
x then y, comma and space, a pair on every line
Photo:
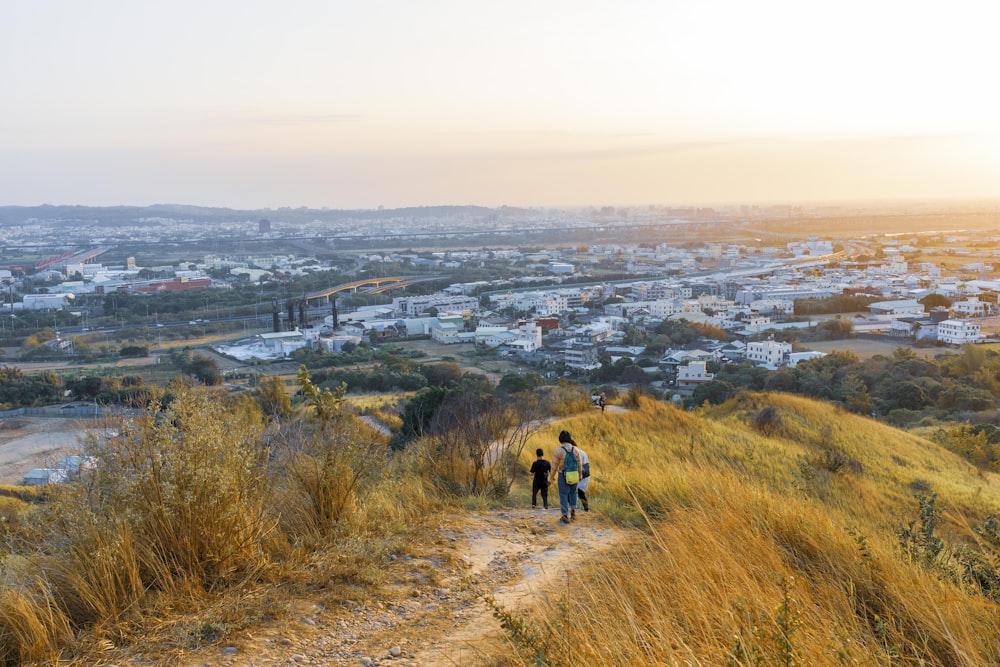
354, 104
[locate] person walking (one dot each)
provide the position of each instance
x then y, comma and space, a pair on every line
566, 461
584, 483
540, 483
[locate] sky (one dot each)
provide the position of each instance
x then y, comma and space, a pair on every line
357, 104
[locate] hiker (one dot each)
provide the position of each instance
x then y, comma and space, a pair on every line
602, 401
584, 483
540, 483
566, 458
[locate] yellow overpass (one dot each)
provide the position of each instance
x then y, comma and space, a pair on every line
373, 285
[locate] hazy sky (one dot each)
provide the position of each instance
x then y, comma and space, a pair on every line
355, 104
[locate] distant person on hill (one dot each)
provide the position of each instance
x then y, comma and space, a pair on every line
584, 483
540, 483
602, 401
566, 458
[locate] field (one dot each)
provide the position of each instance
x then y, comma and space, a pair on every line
866, 348
463, 355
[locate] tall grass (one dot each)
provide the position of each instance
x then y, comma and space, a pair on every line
190, 503
763, 546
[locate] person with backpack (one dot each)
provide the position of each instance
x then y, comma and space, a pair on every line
566, 470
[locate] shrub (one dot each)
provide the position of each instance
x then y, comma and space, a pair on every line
177, 502
326, 461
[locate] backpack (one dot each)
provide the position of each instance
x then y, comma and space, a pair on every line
571, 466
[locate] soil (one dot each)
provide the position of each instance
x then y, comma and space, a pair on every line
30, 442
435, 612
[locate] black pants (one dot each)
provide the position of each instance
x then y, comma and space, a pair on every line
542, 486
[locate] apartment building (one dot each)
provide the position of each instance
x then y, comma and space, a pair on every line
971, 307
769, 353
411, 306
958, 332
692, 374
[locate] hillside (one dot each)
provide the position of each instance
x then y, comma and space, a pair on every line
779, 530
768, 530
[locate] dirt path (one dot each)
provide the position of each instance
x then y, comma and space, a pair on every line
435, 614
27, 443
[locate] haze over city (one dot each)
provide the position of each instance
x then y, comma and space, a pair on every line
366, 104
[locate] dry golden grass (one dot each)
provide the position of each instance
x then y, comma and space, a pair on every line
760, 549
24, 493
191, 511
376, 402
765, 531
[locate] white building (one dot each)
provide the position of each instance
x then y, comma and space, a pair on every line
46, 301
446, 332
412, 306
659, 309
581, 355
595, 332
490, 336
899, 308
531, 333
693, 374
283, 343
971, 307
336, 343
768, 353
958, 332
43, 476
542, 303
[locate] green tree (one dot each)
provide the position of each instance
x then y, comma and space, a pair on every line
440, 375
417, 415
634, 336
514, 383
476, 439
713, 392
934, 301
204, 369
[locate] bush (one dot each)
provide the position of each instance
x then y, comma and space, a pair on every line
177, 503
326, 462
133, 351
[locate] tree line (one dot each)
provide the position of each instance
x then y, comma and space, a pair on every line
904, 388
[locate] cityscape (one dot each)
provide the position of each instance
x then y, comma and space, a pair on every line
560, 305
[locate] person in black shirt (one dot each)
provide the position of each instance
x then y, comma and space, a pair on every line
540, 469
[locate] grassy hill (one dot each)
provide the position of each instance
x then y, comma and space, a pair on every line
775, 530
769, 530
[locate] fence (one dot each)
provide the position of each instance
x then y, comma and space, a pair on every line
69, 410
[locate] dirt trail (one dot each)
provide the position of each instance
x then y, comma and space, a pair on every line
436, 615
